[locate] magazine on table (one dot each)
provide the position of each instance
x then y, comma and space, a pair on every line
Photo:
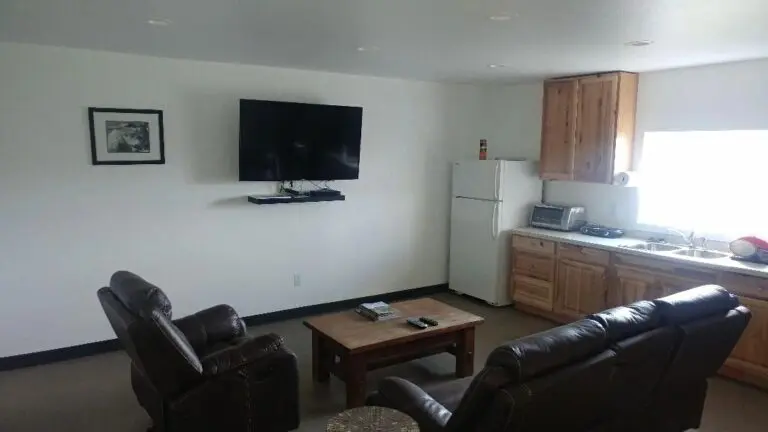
378, 311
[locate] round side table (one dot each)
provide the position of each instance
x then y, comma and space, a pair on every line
371, 419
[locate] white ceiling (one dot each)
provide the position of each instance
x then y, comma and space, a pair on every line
446, 40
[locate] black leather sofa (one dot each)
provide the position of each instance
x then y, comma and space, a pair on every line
642, 367
201, 372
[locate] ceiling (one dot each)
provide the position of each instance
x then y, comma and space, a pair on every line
443, 40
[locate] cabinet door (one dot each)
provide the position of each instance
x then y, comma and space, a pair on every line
581, 288
673, 285
596, 128
558, 130
634, 285
751, 353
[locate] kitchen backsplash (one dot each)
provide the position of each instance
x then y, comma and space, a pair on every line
613, 206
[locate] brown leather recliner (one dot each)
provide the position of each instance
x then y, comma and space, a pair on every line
201, 372
642, 367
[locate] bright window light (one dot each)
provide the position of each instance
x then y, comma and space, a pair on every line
713, 182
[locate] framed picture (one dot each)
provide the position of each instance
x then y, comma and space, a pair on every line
126, 136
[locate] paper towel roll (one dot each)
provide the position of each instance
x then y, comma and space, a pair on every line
626, 178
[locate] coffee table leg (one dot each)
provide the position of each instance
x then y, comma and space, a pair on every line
465, 353
354, 378
320, 358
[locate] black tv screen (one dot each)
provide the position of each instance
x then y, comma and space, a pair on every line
295, 141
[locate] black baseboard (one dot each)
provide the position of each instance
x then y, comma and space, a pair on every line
57, 355
324, 308
93, 348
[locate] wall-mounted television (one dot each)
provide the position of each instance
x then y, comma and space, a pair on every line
282, 141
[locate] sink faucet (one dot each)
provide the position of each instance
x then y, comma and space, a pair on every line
690, 239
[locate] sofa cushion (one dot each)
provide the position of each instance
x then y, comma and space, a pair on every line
539, 353
627, 321
695, 303
573, 398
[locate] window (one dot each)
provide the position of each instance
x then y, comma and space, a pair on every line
710, 182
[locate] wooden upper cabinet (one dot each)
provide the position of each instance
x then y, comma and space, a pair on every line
588, 127
558, 130
595, 130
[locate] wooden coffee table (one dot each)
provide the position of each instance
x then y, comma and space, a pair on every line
348, 345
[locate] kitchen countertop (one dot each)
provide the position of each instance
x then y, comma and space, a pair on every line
620, 245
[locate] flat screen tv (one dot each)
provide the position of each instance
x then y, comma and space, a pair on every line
282, 141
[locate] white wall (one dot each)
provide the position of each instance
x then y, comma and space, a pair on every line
66, 225
510, 119
729, 96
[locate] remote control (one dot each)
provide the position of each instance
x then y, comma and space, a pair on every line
416, 323
429, 321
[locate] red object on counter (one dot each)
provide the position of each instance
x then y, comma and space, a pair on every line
748, 246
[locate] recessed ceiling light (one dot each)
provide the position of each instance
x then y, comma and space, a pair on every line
496, 66
638, 43
501, 18
160, 22
367, 48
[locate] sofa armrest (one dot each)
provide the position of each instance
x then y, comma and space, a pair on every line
261, 391
407, 397
210, 326
242, 352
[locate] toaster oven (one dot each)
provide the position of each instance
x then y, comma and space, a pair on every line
558, 217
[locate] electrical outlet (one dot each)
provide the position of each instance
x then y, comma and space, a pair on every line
296, 280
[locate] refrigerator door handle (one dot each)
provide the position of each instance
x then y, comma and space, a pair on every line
495, 221
497, 179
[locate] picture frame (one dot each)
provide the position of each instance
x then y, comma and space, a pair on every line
123, 136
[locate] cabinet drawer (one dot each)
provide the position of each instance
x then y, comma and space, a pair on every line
532, 265
533, 245
583, 254
657, 265
533, 292
748, 286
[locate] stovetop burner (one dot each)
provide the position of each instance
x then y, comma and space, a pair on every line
601, 231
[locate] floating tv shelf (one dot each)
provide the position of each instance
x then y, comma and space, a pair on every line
266, 199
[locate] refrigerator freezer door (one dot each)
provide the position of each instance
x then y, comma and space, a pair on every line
477, 179
476, 250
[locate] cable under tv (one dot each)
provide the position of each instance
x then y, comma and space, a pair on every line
324, 193
293, 192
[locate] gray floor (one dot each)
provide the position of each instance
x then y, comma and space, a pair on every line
94, 394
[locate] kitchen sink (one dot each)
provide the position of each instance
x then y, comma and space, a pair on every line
655, 247
700, 253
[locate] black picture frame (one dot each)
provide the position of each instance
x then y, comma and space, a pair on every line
158, 159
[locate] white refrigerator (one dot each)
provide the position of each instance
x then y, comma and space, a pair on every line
489, 199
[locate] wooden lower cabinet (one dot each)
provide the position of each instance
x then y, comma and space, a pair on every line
749, 359
634, 285
581, 288
533, 292
673, 284
536, 266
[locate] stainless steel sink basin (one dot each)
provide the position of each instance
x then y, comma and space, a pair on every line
655, 247
699, 253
